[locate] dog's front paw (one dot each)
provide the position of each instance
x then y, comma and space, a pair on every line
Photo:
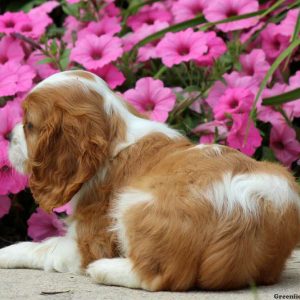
99, 270
114, 271
7, 258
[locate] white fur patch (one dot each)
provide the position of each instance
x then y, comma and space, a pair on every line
209, 149
245, 191
18, 153
124, 202
114, 271
59, 254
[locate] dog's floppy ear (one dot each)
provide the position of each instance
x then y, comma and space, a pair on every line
70, 150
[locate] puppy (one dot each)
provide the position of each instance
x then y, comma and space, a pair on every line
151, 210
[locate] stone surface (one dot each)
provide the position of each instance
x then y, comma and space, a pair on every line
35, 284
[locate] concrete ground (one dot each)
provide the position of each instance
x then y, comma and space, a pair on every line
35, 284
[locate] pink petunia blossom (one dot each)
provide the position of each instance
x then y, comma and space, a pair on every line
10, 115
188, 9
107, 25
232, 80
210, 130
273, 41
132, 38
73, 26
67, 208
237, 133
110, 10
233, 101
149, 51
151, 98
73, 1
42, 225
14, 78
10, 20
294, 106
284, 144
96, 52
111, 75
287, 26
10, 180
10, 50
43, 70
182, 46
254, 64
5, 204
216, 48
269, 113
148, 14
45, 8
218, 10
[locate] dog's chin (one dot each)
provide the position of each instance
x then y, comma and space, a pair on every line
17, 154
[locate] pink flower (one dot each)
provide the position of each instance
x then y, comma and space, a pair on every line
10, 49
15, 78
188, 9
10, 115
45, 8
133, 38
294, 106
110, 10
284, 144
107, 25
287, 26
237, 133
73, 26
216, 48
268, 113
111, 75
233, 101
5, 204
9, 21
182, 46
96, 52
149, 51
10, 180
42, 225
43, 70
73, 1
67, 208
219, 9
273, 41
254, 64
232, 80
211, 130
148, 15
151, 98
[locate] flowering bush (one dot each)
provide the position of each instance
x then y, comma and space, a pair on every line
220, 71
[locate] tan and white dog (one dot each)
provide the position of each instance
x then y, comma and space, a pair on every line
151, 210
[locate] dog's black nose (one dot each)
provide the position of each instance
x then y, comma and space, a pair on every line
8, 136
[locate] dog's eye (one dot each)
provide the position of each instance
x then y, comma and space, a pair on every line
29, 126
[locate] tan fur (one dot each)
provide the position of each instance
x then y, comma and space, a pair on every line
177, 241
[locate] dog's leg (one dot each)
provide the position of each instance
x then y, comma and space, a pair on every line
115, 271
55, 254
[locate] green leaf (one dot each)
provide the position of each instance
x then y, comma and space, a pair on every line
174, 28
268, 154
46, 60
192, 23
53, 47
282, 98
65, 59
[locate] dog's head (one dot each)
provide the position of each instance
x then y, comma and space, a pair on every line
64, 138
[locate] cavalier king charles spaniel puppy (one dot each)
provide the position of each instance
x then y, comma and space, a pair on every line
150, 209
